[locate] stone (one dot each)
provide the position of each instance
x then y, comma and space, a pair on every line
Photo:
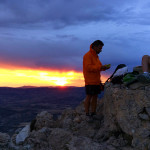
60, 136
4, 140
137, 85
138, 69
38, 140
83, 143
144, 116
13, 138
148, 110
18, 130
77, 119
124, 113
102, 135
147, 88
80, 108
44, 119
23, 134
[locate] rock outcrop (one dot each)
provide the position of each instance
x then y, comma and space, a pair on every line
4, 140
123, 123
127, 111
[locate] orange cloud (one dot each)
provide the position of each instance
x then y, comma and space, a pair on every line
28, 77
16, 77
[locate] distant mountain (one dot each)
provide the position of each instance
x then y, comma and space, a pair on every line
27, 87
20, 105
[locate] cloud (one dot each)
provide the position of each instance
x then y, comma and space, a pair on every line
56, 34
42, 54
61, 13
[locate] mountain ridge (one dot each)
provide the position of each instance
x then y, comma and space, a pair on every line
19, 105
122, 123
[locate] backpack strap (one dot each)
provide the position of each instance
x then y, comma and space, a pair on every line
118, 67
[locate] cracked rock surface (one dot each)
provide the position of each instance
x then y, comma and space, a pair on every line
123, 124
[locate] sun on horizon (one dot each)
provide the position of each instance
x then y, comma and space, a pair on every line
11, 77
29, 77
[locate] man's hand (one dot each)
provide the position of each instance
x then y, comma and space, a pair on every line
105, 67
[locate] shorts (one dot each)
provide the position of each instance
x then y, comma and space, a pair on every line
92, 89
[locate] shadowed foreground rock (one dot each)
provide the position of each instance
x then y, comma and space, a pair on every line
123, 124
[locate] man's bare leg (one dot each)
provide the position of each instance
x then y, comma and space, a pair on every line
146, 63
145, 76
87, 103
94, 103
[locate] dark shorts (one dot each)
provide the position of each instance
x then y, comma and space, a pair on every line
92, 89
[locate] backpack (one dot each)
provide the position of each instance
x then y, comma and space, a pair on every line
118, 74
130, 78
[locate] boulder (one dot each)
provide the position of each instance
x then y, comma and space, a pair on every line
23, 134
4, 140
83, 143
125, 112
38, 140
43, 119
48, 139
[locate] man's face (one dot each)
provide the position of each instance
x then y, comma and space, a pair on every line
98, 49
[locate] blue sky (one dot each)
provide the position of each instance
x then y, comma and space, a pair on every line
55, 34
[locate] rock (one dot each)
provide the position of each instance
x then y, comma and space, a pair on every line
124, 112
44, 114
102, 135
48, 139
23, 134
4, 140
138, 69
144, 116
18, 130
85, 129
38, 140
117, 142
80, 108
66, 120
13, 138
60, 136
148, 110
123, 123
44, 119
127, 148
147, 88
83, 143
138, 85
77, 119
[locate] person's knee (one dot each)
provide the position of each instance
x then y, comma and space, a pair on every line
145, 57
88, 97
94, 97
149, 60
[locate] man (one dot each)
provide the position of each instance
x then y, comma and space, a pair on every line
91, 71
145, 76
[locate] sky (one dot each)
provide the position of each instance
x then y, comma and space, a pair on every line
42, 42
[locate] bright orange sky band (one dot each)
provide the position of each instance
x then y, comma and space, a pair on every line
14, 77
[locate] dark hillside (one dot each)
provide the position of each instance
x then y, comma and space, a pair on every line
20, 105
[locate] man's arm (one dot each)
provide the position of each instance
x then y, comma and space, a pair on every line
104, 67
89, 66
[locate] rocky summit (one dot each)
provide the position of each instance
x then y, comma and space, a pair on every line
122, 123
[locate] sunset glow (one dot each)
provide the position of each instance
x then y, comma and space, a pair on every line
21, 77
28, 77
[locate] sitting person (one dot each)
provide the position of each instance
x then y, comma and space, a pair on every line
145, 76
